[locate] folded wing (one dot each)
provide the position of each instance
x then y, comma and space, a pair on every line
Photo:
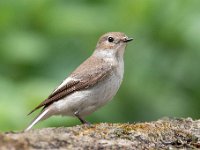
80, 80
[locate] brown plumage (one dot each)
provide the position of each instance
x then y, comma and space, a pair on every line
83, 80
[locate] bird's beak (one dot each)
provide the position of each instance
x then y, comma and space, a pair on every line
126, 40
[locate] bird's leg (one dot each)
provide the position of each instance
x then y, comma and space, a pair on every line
83, 121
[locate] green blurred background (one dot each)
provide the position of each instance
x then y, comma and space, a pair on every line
42, 41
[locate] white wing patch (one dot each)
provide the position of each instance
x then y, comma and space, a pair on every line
64, 83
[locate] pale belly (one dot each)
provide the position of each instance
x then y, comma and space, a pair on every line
89, 100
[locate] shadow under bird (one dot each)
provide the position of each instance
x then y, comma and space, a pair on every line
91, 85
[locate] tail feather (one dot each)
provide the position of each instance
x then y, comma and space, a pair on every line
41, 116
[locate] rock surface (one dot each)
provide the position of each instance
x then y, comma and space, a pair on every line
161, 134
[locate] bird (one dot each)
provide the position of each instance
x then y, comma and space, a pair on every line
91, 85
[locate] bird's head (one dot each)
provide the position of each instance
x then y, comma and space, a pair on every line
113, 42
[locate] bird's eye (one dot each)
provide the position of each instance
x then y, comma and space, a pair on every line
110, 39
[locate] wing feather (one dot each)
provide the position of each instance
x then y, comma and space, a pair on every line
87, 81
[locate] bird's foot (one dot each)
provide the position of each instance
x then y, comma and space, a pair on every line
82, 120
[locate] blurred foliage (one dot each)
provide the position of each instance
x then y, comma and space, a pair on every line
42, 41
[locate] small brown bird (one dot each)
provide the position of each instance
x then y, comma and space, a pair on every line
91, 85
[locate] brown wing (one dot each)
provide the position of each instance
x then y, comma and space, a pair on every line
87, 81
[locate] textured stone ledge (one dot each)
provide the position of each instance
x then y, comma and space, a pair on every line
162, 134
